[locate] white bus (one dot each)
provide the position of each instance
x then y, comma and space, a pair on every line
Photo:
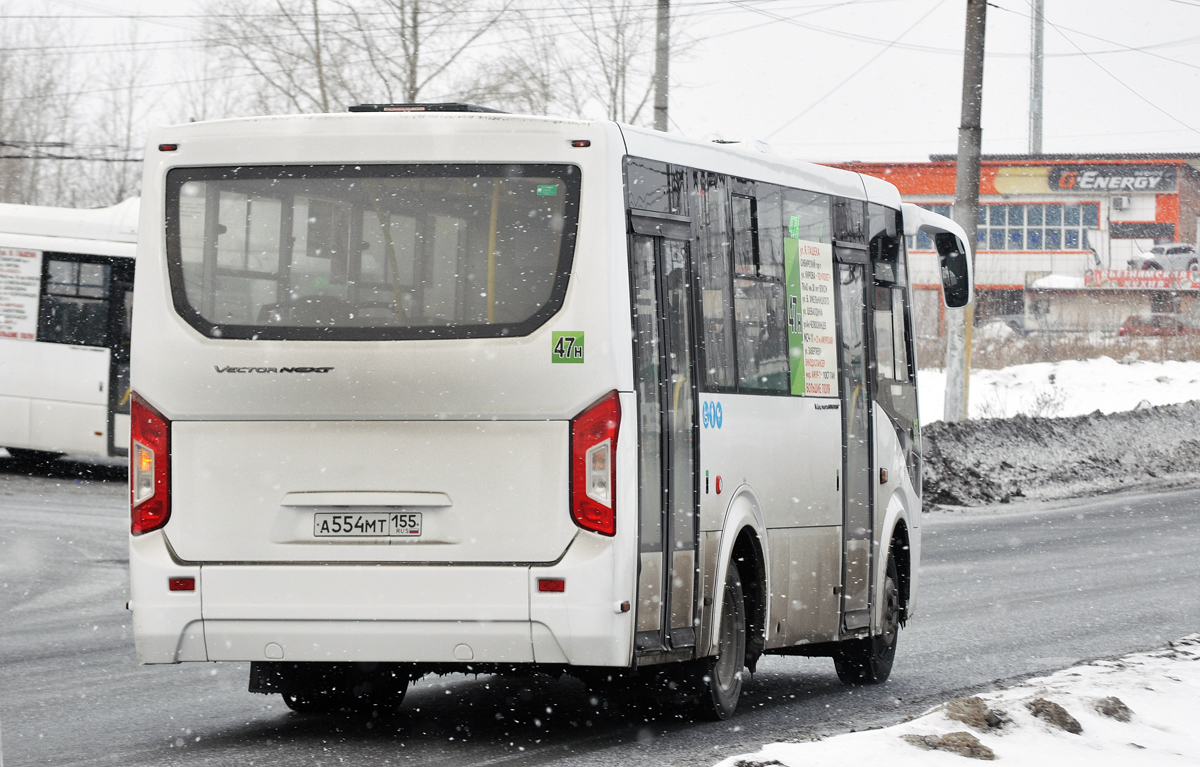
435, 392
66, 295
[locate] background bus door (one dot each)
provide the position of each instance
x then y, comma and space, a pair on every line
120, 308
857, 519
667, 438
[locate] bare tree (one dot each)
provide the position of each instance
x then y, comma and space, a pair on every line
321, 55
529, 74
289, 47
592, 59
410, 45
118, 130
36, 107
208, 90
612, 67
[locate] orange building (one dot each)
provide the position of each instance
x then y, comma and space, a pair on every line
1054, 214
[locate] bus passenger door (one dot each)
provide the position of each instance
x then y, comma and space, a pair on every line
857, 520
667, 444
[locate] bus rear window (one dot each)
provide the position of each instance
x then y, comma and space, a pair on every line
370, 252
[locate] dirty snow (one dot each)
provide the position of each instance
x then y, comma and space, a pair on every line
982, 462
1073, 387
1158, 691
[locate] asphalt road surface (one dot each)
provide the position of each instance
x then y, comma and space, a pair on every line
1006, 592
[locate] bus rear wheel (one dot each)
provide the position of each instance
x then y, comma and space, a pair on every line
869, 661
355, 688
720, 676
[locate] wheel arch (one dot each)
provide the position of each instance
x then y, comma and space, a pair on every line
900, 543
743, 540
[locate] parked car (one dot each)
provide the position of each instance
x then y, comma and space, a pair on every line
1159, 325
1172, 257
1014, 321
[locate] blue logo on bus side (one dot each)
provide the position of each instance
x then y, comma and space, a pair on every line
710, 415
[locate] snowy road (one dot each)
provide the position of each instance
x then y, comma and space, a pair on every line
1007, 592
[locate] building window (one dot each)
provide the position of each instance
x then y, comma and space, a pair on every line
1026, 226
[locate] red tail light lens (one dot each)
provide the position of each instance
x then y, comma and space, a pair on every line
149, 467
593, 471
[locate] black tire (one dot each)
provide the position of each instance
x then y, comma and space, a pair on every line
869, 660
1152, 266
720, 676
32, 457
315, 702
357, 694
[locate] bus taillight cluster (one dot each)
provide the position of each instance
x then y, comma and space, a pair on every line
149, 467
593, 473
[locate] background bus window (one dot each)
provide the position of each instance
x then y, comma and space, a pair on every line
711, 197
74, 304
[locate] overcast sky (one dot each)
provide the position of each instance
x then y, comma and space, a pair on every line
854, 79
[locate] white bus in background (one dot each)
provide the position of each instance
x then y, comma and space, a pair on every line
436, 391
66, 297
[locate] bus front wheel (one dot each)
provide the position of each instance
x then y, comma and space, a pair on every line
869, 661
721, 675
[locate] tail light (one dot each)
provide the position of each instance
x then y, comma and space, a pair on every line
149, 467
593, 472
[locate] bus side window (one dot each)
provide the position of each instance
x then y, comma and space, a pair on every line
74, 305
888, 265
806, 216
711, 205
760, 312
849, 224
899, 337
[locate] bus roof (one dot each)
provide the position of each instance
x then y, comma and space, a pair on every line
747, 160
117, 223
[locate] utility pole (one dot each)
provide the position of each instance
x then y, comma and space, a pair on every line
1036, 58
661, 64
966, 207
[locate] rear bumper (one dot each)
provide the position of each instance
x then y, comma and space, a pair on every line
384, 612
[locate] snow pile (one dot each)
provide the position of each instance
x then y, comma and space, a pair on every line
1073, 387
997, 461
1138, 710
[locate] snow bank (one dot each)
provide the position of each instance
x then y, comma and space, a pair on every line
997, 461
1073, 387
1138, 710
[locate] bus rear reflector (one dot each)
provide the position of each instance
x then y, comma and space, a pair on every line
149, 467
593, 471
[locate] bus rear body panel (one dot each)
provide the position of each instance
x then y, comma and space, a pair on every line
396, 493
291, 491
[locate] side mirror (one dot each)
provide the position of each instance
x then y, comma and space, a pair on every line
956, 270
958, 279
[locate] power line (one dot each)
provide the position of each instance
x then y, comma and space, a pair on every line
713, 7
853, 74
1119, 81
1121, 47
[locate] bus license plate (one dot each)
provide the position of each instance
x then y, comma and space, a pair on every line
406, 524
